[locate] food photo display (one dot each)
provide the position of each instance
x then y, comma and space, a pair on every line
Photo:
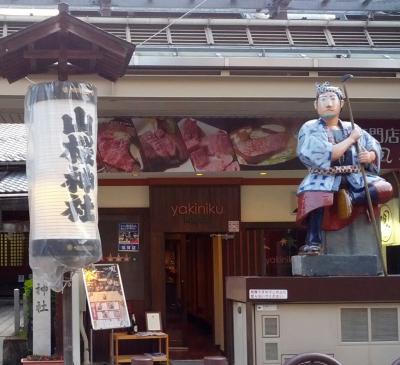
133, 145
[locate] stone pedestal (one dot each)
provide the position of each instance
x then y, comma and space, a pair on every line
334, 265
351, 251
14, 348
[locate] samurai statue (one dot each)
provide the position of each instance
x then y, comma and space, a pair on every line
333, 193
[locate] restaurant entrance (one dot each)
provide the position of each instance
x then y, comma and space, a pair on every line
189, 288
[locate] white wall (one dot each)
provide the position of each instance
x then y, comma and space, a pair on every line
123, 197
268, 203
259, 203
317, 328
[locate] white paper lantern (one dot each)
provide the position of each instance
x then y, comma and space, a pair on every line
62, 177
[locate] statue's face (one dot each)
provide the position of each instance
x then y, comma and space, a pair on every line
328, 105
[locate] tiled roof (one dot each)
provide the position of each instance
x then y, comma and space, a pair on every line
13, 182
13, 142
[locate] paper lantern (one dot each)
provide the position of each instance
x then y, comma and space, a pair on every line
62, 177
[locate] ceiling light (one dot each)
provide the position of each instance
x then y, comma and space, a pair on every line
263, 173
199, 174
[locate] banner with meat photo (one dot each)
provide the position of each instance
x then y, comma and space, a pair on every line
117, 149
130, 145
210, 148
161, 144
264, 144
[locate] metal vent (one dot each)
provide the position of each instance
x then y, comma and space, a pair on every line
271, 351
308, 37
269, 36
230, 36
119, 30
354, 37
270, 326
384, 324
354, 324
388, 38
188, 35
140, 33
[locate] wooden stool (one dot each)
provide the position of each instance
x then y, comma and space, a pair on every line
215, 360
141, 360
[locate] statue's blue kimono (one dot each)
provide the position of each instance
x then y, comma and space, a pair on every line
314, 149
325, 177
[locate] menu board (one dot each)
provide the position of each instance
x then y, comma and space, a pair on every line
106, 297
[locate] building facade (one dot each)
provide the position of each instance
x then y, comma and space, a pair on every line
225, 72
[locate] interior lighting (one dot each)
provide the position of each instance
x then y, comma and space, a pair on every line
199, 174
263, 173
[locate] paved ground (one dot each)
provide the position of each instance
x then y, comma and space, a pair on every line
6, 322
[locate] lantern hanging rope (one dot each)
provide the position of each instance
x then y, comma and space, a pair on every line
61, 117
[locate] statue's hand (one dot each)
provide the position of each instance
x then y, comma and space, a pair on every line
366, 157
355, 134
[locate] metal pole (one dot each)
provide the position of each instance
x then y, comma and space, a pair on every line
67, 321
364, 176
91, 348
17, 311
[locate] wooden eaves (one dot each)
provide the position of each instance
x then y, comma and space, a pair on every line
66, 44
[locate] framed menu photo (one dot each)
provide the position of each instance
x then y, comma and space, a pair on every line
153, 321
105, 296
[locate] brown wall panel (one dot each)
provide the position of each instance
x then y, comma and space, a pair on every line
134, 273
193, 208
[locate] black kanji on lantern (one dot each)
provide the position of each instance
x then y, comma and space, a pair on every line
79, 152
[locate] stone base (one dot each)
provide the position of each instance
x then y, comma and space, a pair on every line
335, 265
14, 348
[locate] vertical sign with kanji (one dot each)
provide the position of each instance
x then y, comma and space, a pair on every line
41, 327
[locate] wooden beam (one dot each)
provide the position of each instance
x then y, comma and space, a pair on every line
28, 36
33, 62
70, 54
92, 62
62, 59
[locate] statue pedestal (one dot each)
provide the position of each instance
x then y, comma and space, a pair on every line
335, 265
350, 251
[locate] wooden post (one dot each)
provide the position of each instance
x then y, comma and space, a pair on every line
67, 321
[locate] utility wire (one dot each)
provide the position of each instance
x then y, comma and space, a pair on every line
172, 23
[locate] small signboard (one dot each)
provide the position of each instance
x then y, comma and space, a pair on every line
106, 297
268, 294
233, 226
128, 237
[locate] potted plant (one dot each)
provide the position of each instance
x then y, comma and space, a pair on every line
42, 360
